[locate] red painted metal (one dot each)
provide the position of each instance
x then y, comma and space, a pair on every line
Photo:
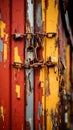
12, 109
17, 105
5, 68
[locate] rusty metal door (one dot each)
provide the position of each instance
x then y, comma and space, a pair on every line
28, 64
29, 57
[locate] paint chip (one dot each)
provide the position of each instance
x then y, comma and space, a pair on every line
16, 56
5, 52
1, 45
18, 91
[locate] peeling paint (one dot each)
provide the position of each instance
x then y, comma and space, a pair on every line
39, 14
0, 57
18, 91
46, 4
2, 27
29, 55
29, 14
39, 110
5, 52
2, 112
1, 45
16, 55
1, 49
49, 24
22, 127
3, 35
6, 37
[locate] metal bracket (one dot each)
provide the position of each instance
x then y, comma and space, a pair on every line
17, 65
50, 62
38, 36
17, 36
35, 65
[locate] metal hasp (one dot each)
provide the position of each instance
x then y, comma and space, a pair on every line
29, 73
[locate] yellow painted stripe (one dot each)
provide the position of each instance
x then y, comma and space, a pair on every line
50, 20
16, 55
2, 27
5, 51
18, 91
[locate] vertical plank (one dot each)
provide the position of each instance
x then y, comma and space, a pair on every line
37, 74
52, 52
18, 88
4, 65
43, 73
29, 73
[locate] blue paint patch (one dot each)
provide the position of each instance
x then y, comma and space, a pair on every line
1, 45
1, 49
39, 110
39, 14
0, 57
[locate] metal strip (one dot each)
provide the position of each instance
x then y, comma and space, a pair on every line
4, 65
37, 84
51, 51
29, 73
17, 77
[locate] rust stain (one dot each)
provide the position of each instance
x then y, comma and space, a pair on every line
46, 4
2, 112
28, 125
43, 26
22, 127
32, 1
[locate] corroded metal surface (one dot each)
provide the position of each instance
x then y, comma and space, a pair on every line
29, 73
37, 83
34, 66
51, 73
